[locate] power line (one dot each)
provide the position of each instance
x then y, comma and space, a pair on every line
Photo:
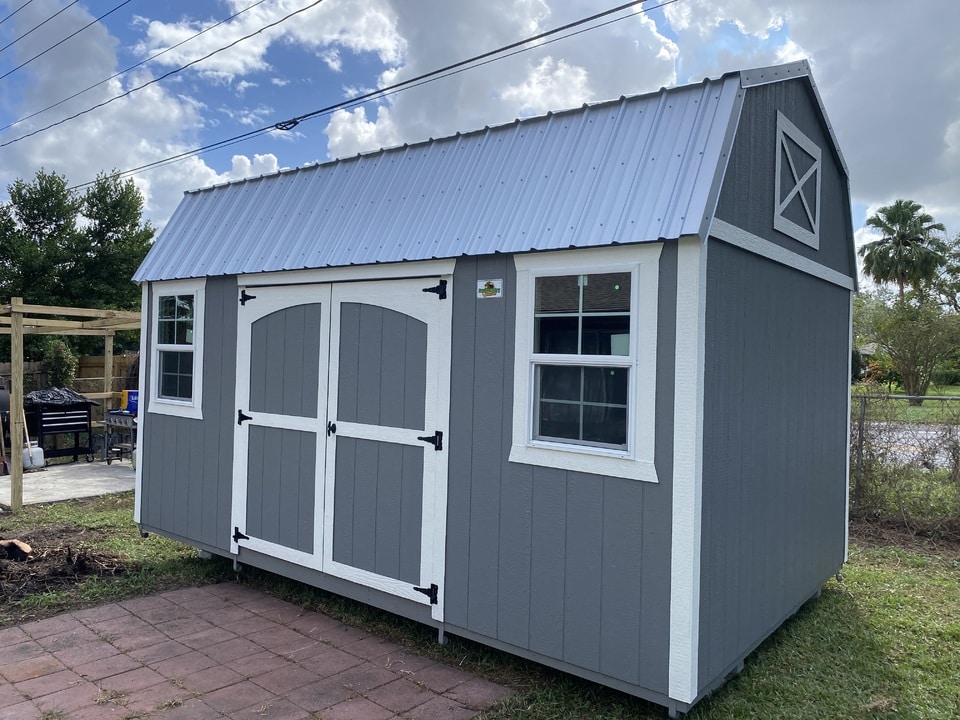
35, 27
68, 37
455, 68
132, 67
155, 80
11, 14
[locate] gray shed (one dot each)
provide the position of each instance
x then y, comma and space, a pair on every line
575, 387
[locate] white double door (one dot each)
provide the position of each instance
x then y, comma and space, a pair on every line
340, 458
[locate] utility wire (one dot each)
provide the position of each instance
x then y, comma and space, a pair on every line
11, 14
455, 68
35, 27
68, 37
155, 80
132, 67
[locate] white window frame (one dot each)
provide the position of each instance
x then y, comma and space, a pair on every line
192, 408
637, 460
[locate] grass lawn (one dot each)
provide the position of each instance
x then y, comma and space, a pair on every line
882, 643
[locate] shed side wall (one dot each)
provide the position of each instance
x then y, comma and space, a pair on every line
188, 463
553, 564
747, 198
774, 448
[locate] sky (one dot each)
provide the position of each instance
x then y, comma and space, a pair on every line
176, 75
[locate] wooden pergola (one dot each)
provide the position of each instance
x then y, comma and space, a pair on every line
18, 319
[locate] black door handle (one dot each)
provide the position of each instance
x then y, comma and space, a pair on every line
331, 428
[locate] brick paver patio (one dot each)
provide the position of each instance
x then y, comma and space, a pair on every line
222, 651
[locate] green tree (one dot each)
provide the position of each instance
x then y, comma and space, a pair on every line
59, 247
918, 335
909, 252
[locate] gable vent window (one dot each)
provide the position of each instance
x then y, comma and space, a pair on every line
585, 364
797, 207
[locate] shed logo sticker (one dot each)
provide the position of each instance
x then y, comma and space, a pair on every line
487, 289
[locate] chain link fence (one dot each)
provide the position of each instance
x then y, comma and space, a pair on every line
905, 460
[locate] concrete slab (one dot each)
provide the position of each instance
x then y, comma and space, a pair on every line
66, 481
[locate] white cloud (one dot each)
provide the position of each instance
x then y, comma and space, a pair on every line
242, 167
349, 132
361, 26
550, 84
243, 86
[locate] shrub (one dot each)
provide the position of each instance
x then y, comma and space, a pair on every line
61, 364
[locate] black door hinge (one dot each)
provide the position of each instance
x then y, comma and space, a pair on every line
244, 296
241, 418
431, 592
440, 290
436, 440
238, 536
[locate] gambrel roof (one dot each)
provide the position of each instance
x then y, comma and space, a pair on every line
637, 169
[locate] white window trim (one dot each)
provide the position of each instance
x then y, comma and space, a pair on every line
637, 462
165, 406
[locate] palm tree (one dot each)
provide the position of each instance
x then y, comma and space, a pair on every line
908, 253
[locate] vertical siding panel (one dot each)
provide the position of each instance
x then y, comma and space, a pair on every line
461, 445
364, 504
304, 511
620, 591
415, 381
487, 464
347, 379
581, 622
343, 500
389, 497
514, 566
548, 561
296, 371
393, 368
411, 514
255, 489
370, 352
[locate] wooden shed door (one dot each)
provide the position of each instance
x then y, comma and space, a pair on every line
385, 518
280, 428
359, 488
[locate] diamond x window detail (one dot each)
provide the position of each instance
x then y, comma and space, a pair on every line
797, 207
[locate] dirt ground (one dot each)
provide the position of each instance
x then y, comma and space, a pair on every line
60, 558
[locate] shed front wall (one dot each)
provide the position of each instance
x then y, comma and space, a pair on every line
776, 385
550, 564
567, 568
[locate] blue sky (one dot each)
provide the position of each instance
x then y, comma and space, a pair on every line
894, 101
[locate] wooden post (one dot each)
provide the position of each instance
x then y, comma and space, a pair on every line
16, 404
107, 369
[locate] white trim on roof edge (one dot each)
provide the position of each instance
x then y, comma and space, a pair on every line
407, 269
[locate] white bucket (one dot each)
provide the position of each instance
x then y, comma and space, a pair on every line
33, 456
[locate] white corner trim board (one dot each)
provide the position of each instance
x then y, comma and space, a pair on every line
687, 471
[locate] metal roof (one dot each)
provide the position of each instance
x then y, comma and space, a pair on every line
636, 169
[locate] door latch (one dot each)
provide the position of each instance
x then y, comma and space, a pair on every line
331, 428
436, 440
